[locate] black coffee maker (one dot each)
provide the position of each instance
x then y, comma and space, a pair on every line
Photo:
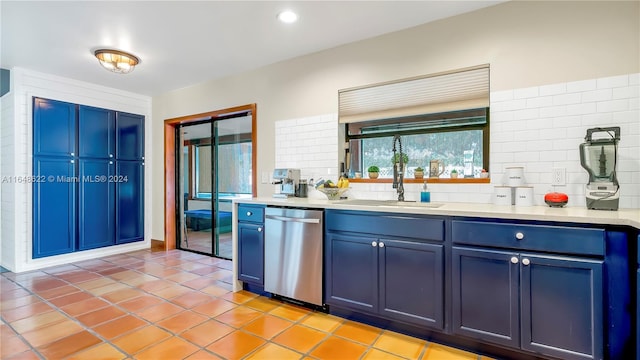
598, 155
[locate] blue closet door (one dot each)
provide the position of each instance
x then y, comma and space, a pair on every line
96, 193
129, 136
96, 132
129, 201
54, 128
54, 209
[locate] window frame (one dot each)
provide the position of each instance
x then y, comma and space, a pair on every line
485, 128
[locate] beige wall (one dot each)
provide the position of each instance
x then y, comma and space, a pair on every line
525, 43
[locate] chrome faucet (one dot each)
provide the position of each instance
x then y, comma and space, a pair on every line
398, 169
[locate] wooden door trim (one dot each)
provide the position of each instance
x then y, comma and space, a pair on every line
170, 161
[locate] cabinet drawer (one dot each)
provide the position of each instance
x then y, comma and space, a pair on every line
529, 237
397, 225
251, 213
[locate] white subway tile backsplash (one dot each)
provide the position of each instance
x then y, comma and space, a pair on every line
497, 96
525, 93
553, 111
539, 128
526, 114
597, 95
553, 89
538, 102
613, 105
581, 109
583, 85
564, 99
613, 81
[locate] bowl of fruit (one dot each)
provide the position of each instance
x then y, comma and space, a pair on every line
332, 190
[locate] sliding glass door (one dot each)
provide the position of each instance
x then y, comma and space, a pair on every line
215, 166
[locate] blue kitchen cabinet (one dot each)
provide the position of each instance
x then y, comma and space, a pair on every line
251, 253
129, 201
638, 304
96, 208
351, 268
129, 136
96, 132
54, 128
485, 295
369, 271
93, 200
54, 206
411, 282
561, 306
251, 244
548, 303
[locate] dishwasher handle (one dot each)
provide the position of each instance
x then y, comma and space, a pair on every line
293, 219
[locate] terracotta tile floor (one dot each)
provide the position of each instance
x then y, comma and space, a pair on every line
176, 305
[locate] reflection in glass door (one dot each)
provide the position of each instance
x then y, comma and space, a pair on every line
214, 167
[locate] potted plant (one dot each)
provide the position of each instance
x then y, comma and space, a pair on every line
405, 159
418, 173
373, 171
454, 174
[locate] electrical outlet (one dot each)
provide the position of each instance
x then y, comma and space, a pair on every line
559, 176
265, 177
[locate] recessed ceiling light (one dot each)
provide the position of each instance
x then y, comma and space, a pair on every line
288, 17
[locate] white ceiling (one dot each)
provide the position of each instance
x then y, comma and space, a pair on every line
182, 43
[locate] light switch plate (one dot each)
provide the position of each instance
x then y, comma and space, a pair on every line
265, 177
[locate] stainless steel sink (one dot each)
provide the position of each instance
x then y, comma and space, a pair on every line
388, 203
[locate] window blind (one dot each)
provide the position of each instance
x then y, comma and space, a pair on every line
442, 92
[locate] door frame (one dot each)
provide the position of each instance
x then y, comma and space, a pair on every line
170, 147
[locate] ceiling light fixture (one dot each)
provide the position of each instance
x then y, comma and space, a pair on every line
116, 61
288, 17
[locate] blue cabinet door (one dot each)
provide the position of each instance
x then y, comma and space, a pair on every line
96, 132
129, 136
485, 295
54, 214
251, 253
129, 181
412, 282
561, 306
54, 128
96, 206
351, 268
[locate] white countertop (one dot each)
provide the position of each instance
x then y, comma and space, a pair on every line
624, 217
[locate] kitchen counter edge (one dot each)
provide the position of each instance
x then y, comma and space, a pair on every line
622, 217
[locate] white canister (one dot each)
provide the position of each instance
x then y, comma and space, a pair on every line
524, 196
502, 195
514, 176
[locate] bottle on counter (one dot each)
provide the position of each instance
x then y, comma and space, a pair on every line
425, 195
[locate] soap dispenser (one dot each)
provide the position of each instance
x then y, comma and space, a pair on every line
425, 195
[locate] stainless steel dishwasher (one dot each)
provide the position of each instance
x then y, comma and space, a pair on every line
293, 254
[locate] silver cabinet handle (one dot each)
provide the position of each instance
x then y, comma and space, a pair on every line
143, 158
259, 229
291, 219
381, 244
110, 162
72, 161
519, 236
249, 213
374, 244
72, 154
514, 260
110, 155
525, 262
